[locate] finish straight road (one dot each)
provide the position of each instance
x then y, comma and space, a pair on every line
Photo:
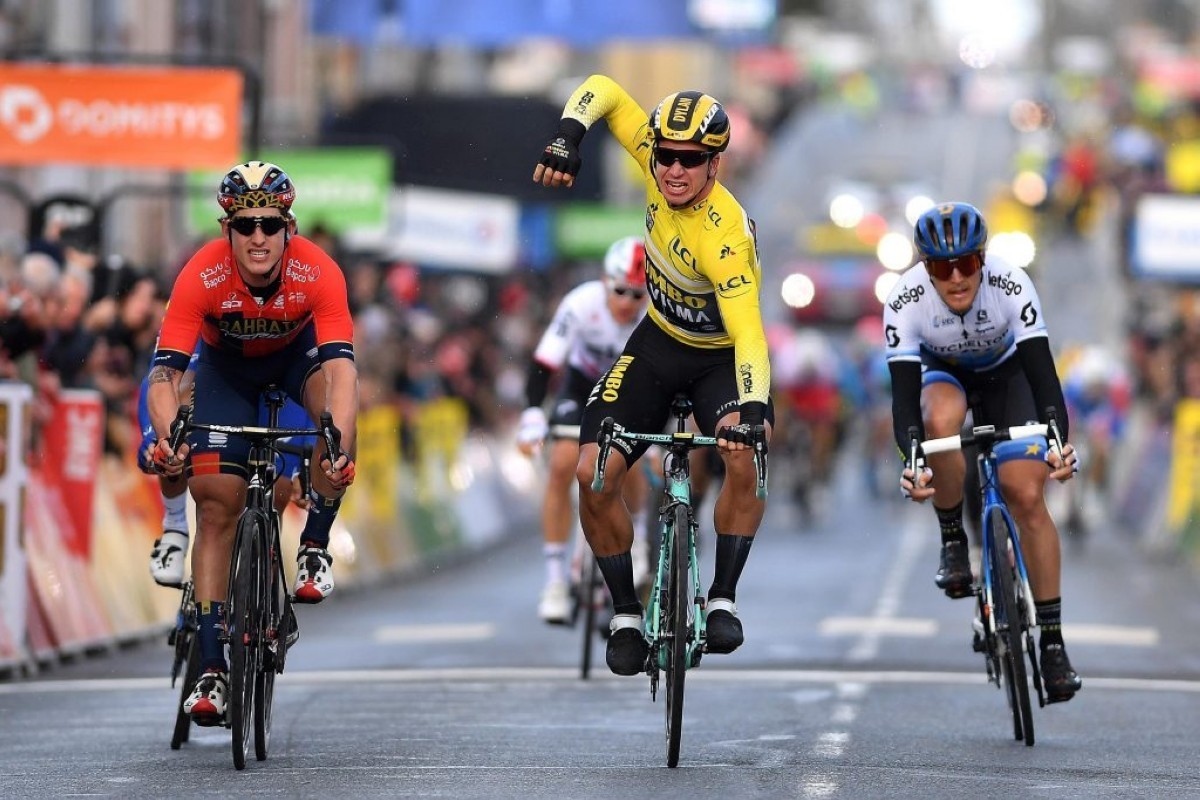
857, 680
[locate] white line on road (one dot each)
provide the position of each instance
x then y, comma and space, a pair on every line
392, 634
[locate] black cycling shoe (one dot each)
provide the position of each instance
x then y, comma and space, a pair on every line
954, 574
626, 651
1058, 676
724, 631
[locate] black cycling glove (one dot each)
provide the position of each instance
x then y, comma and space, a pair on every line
562, 153
751, 430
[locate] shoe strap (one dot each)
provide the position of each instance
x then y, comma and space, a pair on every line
721, 604
620, 621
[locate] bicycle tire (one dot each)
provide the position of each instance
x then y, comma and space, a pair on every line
264, 682
588, 573
191, 674
676, 631
244, 614
1009, 621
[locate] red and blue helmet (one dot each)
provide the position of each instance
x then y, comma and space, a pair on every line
256, 184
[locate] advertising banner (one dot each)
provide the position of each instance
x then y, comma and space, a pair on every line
15, 399
140, 117
71, 447
1165, 242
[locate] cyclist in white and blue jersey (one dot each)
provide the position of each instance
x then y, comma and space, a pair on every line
962, 332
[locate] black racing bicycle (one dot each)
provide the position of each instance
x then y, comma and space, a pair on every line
260, 623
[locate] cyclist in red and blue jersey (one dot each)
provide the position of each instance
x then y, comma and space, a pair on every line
267, 306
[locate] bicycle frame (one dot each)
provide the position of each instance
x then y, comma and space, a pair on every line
992, 499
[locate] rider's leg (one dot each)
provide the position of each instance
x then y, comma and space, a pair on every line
219, 500
944, 407
558, 517
636, 493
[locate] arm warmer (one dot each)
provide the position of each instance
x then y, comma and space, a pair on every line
537, 383
906, 403
1038, 365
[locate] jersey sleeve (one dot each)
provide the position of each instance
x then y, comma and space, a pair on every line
600, 97
187, 306
1024, 306
731, 264
331, 313
901, 330
555, 343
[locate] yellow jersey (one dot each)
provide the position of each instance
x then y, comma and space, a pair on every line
702, 268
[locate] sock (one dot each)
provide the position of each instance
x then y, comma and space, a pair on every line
732, 552
951, 523
212, 623
175, 514
1049, 620
555, 553
321, 514
618, 574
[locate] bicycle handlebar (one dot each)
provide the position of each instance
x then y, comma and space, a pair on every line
610, 431
327, 431
981, 434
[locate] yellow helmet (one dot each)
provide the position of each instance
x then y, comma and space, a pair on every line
256, 184
691, 117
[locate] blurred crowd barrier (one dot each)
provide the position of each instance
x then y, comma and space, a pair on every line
77, 524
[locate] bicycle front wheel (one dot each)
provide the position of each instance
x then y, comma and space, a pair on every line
675, 632
244, 616
1009, 623
264, 682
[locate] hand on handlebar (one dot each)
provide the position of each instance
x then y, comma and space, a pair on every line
1063, 465
340, 473
917, 489
742, 437
169, 462
531, 430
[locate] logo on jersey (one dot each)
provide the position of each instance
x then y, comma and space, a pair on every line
231, 302
302, 273
891, 336
582, 106
1029, 315
912, 294
1005, 283
688, 311
214, 275
236, 327
941, 322
651, 210
736, 286
746, 372
609, 387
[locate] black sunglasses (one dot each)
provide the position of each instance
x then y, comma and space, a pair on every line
688, 159
246, 225
942, 269
622, 291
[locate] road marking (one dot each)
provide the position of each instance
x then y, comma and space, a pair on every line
536, 675
1075, 633
911, 541
394, 634
878, 626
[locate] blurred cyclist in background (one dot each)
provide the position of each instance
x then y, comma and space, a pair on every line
587, 333
961, 333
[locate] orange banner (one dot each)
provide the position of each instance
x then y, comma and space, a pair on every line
147, 117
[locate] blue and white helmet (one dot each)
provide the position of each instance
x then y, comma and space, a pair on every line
950, 230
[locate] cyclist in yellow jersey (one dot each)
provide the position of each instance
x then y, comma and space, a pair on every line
703, 336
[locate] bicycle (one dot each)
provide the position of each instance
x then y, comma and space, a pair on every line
260, 623
1004, 599
674, 625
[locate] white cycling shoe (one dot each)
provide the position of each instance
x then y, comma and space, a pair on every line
555, 605
167, 557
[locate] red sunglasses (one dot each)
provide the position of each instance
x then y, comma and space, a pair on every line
942, 269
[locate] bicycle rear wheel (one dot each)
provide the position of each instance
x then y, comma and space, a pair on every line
244, 615
675, 631
588, 584
191, 674
1009, 623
